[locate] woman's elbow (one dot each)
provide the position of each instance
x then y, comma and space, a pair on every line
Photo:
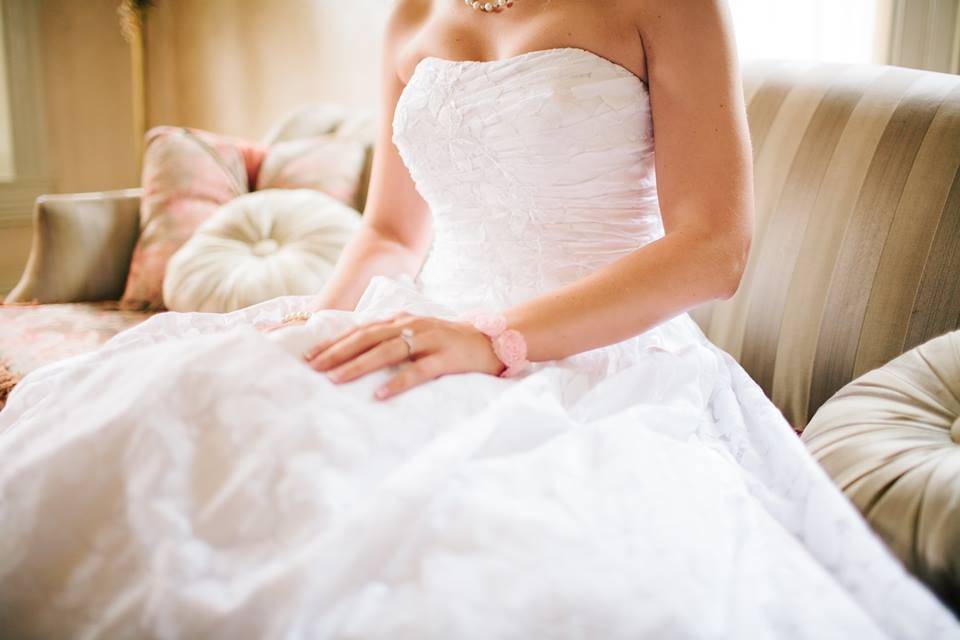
736, 252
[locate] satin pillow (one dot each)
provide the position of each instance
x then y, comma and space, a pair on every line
891, 440
259, 246
187, 174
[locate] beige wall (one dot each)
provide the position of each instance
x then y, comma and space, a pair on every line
236, 66
87, 92
14, 247
232, 66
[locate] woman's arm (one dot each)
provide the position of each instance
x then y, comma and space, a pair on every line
395, 233
705, 185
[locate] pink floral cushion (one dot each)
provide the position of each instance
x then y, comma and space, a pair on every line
327, 163
34, 335
187, 174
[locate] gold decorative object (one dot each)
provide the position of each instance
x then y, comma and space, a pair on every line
133, 18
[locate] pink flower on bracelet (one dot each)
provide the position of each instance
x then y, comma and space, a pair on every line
509, 345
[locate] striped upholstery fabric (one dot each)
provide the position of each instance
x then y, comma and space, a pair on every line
856, 253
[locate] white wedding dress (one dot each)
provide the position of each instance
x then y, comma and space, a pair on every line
194, 478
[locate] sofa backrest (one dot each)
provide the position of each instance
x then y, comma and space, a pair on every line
856, 252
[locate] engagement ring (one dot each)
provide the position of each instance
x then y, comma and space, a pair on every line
406, 334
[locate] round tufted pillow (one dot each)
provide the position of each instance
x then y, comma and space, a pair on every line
891, 440
259, 246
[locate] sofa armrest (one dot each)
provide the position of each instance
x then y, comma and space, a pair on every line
82, 244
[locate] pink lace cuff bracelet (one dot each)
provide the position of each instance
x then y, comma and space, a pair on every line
509, 345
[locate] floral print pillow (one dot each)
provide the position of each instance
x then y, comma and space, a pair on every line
327, 163
187, 174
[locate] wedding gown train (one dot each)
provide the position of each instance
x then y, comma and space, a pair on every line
194, 478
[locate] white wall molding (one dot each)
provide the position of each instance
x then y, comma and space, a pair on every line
21, 39
955, 62
925, 34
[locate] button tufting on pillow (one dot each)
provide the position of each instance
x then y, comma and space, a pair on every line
889, 440
265, 247
259, 246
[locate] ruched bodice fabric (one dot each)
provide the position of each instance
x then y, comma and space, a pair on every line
538, 170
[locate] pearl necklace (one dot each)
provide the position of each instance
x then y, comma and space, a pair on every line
490, 5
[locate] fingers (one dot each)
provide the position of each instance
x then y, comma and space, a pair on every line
317, 349
388, 352
353, 342
372, 346
351, 346
413, 374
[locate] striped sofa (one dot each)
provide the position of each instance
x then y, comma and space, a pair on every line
848, 313
856, 254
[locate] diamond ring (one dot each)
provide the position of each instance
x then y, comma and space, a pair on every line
406, 334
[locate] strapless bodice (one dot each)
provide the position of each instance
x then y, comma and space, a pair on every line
538, 169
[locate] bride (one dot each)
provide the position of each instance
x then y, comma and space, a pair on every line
497, 420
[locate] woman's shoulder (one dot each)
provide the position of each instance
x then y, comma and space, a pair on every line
405, 19
654, 15
406, 15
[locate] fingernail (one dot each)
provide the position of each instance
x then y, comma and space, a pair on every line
381, 392
335, 375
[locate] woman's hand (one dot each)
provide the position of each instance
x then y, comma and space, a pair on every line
439, 347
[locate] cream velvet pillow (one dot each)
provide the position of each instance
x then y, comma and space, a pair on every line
891, 440
259, 246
